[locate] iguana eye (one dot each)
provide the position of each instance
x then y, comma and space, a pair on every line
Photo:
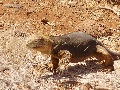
36, 41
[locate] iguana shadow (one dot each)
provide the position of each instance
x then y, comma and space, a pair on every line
77, 70
69, 77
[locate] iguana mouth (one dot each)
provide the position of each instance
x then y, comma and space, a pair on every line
30, 45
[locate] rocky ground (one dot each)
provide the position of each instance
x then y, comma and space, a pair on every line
22, 20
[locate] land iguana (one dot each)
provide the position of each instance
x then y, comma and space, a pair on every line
79, 44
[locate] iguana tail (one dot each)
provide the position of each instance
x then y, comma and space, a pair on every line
114, 55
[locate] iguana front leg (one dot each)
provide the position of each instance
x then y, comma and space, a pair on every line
65, 59
62, 58
55, 64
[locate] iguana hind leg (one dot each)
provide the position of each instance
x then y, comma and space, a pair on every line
105, 57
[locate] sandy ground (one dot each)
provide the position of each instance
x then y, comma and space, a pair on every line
22, 20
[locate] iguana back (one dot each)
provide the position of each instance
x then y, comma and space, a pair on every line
77, 43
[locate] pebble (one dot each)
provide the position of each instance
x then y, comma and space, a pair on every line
1, 2
18, 6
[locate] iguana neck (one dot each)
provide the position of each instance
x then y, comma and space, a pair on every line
55, 40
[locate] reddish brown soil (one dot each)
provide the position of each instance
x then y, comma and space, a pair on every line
21, 20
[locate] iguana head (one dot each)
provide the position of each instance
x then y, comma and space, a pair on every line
42, 44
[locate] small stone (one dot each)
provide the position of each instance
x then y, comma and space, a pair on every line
1, 25
17, 6
1, 11
1, 2
28, 12
44, 21
86, 87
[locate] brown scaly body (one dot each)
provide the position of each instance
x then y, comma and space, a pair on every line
79, 44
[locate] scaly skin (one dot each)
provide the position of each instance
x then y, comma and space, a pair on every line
79, 44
